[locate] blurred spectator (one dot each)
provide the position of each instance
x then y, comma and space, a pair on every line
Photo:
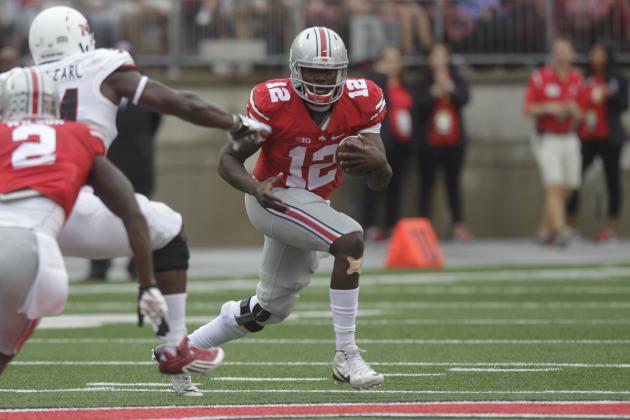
396, 133
367, 34
9, 11
104, 20
9, 58
439, 99
329, 13
217, 17
262, 19
147, 20
414, 24
603, 99
551, 100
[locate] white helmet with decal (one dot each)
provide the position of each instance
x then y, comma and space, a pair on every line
26, 92
59, 32
319, 48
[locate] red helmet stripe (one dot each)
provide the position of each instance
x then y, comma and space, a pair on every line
323, 50
35, 100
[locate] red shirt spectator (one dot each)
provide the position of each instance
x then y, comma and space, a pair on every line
400, 105
594, 125
546, 86
445, 125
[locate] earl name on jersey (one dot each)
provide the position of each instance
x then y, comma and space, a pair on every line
67, 73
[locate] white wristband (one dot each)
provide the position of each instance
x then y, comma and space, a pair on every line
139, 89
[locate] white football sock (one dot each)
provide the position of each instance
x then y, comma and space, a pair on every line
344, 305
221, 329
176, 318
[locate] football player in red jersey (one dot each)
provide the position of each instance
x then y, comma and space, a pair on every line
287, 198
44, 162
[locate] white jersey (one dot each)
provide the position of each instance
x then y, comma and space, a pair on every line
79, 80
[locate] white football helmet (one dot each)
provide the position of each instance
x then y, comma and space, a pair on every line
59, 32
26, 92
320, 48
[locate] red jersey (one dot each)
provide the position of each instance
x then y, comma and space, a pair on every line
545, 86
400, 108
50, 156
594, 125
445, 126
303, 151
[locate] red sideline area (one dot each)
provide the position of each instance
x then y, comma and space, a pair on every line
607, 409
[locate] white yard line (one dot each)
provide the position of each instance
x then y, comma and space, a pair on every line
255, 379
457, 305
394, 279
496, 290
323, 391
219, 378
327, 363
504, 370
284, 341
320, 318
471, 321
413, 375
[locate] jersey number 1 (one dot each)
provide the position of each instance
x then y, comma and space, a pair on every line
69, 105
39, 149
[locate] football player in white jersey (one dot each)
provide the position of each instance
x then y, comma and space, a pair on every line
91, 83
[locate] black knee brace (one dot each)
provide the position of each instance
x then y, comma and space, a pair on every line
250, 317
173, 256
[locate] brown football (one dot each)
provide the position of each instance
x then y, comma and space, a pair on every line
343, 147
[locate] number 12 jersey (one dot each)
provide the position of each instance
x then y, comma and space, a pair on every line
299, 148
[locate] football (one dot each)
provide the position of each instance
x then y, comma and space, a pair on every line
343, 148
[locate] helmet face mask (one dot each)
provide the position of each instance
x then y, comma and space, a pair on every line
319, 65
59, 32
28, 93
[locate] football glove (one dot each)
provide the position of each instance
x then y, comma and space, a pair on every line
151, 304
247, 129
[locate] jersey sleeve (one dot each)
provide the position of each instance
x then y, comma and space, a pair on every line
94, 139
267, 98
106, 61
373, 107
117, 60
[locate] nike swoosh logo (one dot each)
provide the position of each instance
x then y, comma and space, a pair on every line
336, 137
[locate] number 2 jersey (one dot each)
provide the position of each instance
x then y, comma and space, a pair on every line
52, 157
300, 149
79, 79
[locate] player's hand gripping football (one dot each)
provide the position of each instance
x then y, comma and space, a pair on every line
247, 130
358, 159
266, 197
151, 304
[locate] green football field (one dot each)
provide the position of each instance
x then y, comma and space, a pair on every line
501, 334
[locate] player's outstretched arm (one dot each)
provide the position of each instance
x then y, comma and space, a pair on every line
232, 169
158, 97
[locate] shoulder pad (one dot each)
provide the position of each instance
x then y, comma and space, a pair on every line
266, 98
368, 98
111, 60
